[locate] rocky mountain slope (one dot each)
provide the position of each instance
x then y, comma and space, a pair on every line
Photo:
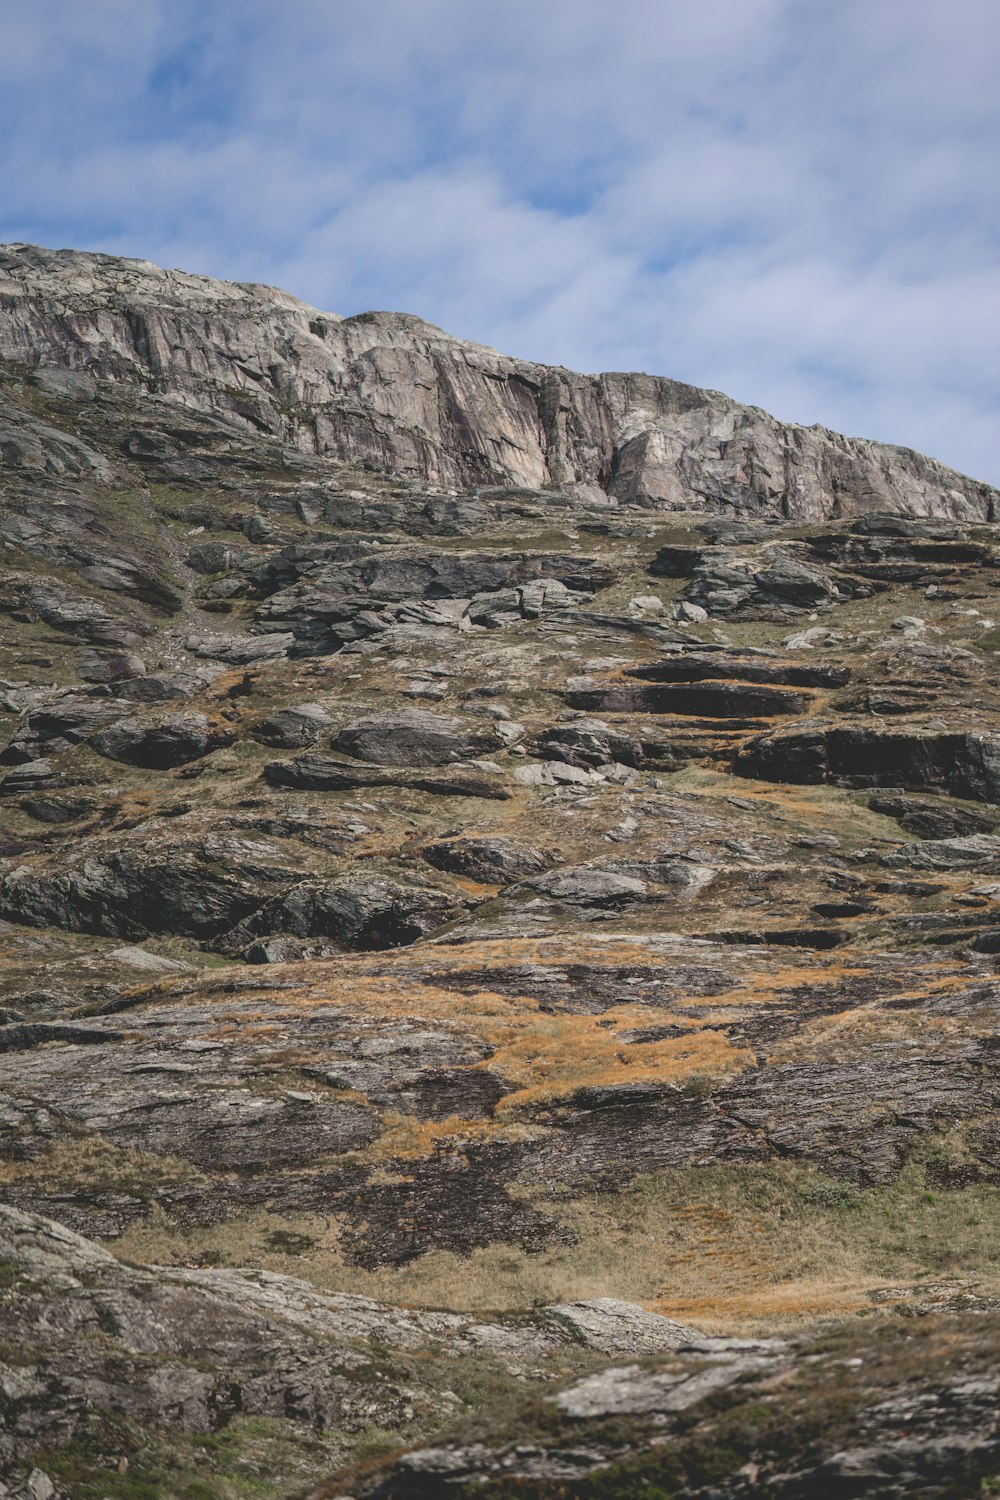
391, 390
499, 880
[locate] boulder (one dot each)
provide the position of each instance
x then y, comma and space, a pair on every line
161, 687
173, 741
294, 727
29, 776
58, 726
616, 1327
586, 742
45, 809
414, 737
489, 859
110, 666
583, 886
367, 913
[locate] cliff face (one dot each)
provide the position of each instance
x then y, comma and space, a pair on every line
391, 390
457, 938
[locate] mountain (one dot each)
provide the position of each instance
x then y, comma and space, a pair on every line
500, 905
393, 391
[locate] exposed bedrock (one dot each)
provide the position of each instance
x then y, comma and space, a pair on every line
379, 905
174, 741
391, 390
746, 666
96, 1350
363, 912
324, 773
488, 859
128, 895
720, 684
718, 700
728, 1419
413, 737
964, 763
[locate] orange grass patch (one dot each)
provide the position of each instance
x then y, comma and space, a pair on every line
772, 1307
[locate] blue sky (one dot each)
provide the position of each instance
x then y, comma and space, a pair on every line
795, 201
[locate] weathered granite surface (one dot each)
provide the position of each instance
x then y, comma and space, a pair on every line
499, 874
391, 390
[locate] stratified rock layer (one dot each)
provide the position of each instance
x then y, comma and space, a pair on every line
476, 837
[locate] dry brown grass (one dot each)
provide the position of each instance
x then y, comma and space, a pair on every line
91, 1164
543, 1055
729, 1263
732, 1250
729, 1249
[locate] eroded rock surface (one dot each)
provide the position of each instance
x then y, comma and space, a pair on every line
496, 865
734, 1418
98, 1354
396, 392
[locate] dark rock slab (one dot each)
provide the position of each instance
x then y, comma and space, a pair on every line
717, 700
174, 741
323, 773
30, 776
57, 727
294, 727
587, 743
964, 763
358, 913
125, 895
414, 737
490, 859
862, 1117
933, 818
746, 666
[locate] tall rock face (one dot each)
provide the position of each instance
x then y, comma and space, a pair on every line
393, 391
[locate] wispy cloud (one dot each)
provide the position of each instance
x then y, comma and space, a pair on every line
793, 201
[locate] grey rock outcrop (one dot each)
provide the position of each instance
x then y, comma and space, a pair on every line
294, 727
128, 895
617, 1327
56, 727
369, 913
173, 741
964, 764
732, 1419
324, 773
414, 737
589, 887
396, 392
491, 860
188, 1351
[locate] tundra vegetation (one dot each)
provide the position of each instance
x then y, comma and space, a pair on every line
499, 910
